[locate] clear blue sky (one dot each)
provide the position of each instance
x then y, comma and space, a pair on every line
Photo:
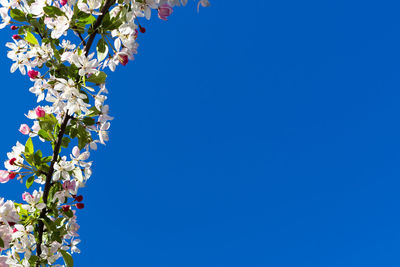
256, 133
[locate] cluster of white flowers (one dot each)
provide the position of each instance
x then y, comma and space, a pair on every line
51, 45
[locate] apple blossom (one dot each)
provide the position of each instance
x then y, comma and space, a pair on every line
3, 260
5, 236
164, 11
4, 15
24, 129
8, 213
4, 176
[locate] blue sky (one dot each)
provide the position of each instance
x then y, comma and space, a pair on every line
260, 133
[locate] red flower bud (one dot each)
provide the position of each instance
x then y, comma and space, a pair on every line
12, 175
13, 27
40, 112
33, 74
142, 29
79, 198
12, 161
80, 206
123, 59
16, 37
65, 208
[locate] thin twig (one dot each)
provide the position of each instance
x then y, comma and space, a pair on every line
80, 37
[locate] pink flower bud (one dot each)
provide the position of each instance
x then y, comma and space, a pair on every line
15, 230
63, 2
13, 27
123, 59
33, 74
16, 37
40, 112
24, 129
4, 176
164, 11
69, 185
26, 196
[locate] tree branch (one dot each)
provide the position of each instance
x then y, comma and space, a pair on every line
80, 37
47, 186
60, 136
96, 25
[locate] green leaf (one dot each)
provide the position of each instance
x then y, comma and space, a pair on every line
29, 182
23, 211
45, 135
69, 262
29, 146
37, 157
102, 49
73, 132
88, 121
53, 11
47, 159
56, 52
44, 168
95, 111
49, 224
18, 15
1, 243
22, 30
48, 122
69, 213
56, 236
33, 259
30, 38
45, 125
83, 137
54, 189
65, 142
109, 24
87, 21
99, 78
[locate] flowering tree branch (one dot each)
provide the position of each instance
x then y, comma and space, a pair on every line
43, 229
57, 147
96, 25
47, 186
